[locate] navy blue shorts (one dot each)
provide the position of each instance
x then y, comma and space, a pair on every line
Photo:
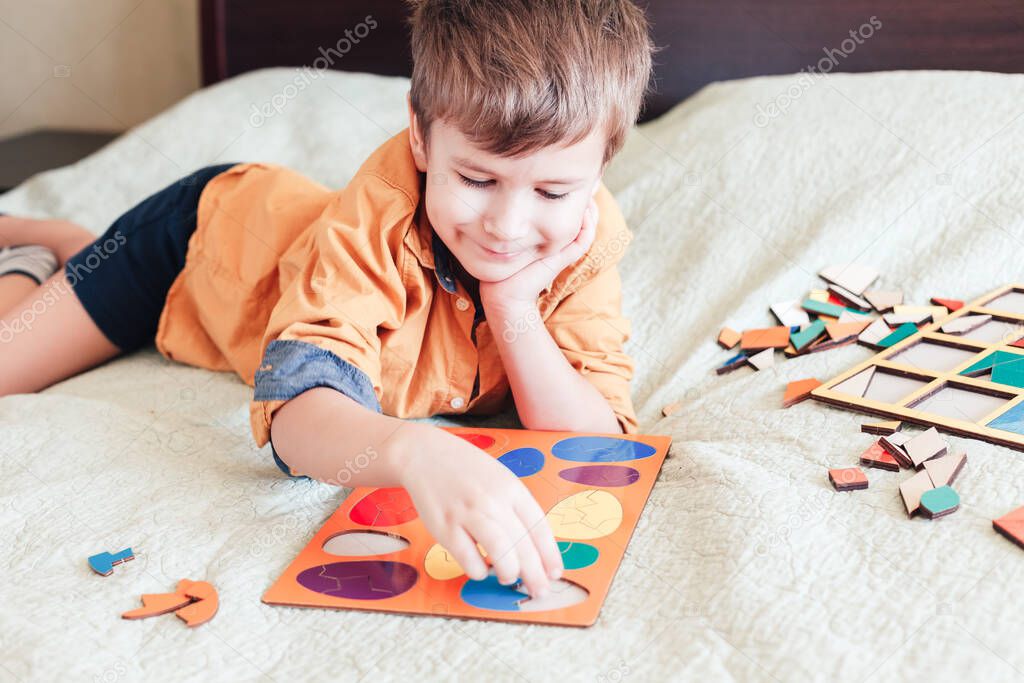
123, 277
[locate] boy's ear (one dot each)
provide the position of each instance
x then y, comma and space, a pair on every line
419, 152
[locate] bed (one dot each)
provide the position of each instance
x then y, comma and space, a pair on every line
745, 564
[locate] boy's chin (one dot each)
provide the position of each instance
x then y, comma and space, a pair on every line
495, 272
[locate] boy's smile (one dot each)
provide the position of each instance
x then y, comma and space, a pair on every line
498, 214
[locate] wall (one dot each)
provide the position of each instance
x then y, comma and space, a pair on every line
94, 64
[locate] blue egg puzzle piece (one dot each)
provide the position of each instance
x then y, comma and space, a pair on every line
523, 461
601, 449
489, 594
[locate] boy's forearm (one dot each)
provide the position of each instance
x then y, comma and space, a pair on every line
548, 392
328, 436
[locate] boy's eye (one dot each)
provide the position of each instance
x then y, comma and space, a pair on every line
549, 195
475, 183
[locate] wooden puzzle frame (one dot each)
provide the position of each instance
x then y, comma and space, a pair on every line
935, 381
428, 594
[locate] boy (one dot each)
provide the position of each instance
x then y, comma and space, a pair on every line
472, 254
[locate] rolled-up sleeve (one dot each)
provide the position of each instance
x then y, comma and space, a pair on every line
590, 330
341, 289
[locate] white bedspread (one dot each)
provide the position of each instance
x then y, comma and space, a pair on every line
745, 565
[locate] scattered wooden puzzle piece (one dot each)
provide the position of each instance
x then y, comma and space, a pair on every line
925, 446
728, 337
939, 502
825, 344
670, 409
951, 304
849, 316
884, 300
737, 361
851, 276
1011, 526
876, 456
874, 333
934, 313
896, 319
847, 298
840, 332
801, 339
818, 295
901, 333
194, 602
912, 489
821, 308
204, 605
798, 391
882, 428
103, 563
944, 470
964, 324
765, 338
762, 360
893, 444
790, 314
848, 479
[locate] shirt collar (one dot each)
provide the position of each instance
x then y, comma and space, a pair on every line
443, 263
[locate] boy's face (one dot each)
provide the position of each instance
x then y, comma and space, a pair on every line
524, 209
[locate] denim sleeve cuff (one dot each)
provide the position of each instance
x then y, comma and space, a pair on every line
291, 367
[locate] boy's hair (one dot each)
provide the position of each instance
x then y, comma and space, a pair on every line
515, 76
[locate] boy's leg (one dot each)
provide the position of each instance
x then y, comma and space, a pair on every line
47, 337
13, 288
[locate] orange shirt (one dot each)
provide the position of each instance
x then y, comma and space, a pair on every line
292, 285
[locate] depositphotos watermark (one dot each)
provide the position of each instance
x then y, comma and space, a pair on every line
305, 75
814, 72
60, 287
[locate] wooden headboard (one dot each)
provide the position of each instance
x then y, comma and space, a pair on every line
702, 40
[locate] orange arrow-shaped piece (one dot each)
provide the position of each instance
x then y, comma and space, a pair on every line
205, 602
194, 602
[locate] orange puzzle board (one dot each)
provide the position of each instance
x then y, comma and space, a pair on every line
592, 487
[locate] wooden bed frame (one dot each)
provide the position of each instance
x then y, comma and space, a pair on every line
701, 40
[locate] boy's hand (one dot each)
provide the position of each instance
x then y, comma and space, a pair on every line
526, 284
465, 497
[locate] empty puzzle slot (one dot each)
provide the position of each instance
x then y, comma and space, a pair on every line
996, 331
878, 384
933, 355
961, 402
1011, 302
364, 543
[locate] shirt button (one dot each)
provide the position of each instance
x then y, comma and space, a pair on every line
461, 304
457, 402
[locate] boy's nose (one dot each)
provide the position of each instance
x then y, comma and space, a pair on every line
506, 225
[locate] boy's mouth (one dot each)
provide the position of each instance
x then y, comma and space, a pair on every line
503, 255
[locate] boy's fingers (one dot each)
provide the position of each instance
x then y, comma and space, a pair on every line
500, 550
464, 551
542, 537
530, 568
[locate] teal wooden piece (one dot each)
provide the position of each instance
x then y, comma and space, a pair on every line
1010, 421
1011, 374
939, 501
990, 361
823, 308
801, 339
899, 334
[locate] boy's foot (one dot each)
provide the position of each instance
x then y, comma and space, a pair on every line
31, 260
